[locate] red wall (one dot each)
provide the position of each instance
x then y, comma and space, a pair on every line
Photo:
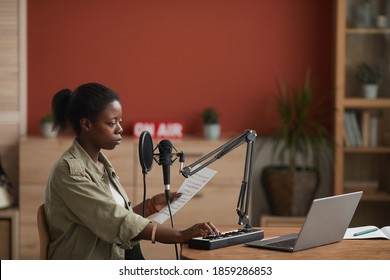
170, 59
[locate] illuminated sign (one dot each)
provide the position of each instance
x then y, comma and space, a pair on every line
169, 129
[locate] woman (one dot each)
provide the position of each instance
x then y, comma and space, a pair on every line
88, 211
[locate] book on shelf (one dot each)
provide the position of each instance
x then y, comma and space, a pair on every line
373, 131
353, 137
349, 139
366, 134
356, 129
367, 232
365, 127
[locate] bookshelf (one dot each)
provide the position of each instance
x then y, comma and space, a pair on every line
362, 125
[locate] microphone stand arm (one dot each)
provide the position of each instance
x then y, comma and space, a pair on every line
248, 137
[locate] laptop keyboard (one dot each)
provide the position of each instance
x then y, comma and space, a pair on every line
284, 243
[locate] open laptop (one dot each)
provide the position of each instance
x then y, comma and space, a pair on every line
325, 223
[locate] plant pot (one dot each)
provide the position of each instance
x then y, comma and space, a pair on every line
289, 193
6, 193
370, 91
47, 131
6, 197
212, 131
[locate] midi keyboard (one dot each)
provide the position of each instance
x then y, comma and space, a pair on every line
225, 239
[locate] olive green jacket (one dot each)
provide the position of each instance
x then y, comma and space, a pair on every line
84, 220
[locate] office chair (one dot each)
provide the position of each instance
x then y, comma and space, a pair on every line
43, 231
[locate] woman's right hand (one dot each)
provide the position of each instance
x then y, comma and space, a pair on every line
200, 229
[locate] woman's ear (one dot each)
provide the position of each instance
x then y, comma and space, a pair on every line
85, 124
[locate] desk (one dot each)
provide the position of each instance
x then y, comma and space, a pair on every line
363, 249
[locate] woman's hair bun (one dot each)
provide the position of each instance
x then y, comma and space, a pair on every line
60, 108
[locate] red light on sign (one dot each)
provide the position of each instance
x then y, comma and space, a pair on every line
172, 130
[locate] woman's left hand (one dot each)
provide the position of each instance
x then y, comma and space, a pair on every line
159, 201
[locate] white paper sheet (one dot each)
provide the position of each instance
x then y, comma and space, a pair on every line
188, 189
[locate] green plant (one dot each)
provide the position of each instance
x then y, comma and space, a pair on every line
368, 74
300, 134
210, 116
47, 118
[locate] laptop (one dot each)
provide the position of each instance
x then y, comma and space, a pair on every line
326, 222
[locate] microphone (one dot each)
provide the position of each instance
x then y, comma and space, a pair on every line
145, 151
165, 159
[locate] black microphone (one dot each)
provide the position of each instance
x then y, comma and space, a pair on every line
165, 159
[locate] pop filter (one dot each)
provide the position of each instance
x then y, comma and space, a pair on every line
145, 151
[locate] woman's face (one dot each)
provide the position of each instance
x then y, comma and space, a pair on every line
106, 131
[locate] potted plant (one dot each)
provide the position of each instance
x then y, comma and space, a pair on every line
211, 125
292, 180
46, 126
369, 76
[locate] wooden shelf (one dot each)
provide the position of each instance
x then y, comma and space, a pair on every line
367, 31
363, 103
354, 166
367, 150
376, 196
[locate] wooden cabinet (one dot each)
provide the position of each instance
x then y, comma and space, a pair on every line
362, 124
37, 155
206, 205
216, 202
9, 234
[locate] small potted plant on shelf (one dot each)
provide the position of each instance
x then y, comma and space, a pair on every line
46, 126
211, 125
292, 180
369, 76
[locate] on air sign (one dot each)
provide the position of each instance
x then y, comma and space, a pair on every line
173, 130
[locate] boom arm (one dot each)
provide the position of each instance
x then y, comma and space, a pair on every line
249, 137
